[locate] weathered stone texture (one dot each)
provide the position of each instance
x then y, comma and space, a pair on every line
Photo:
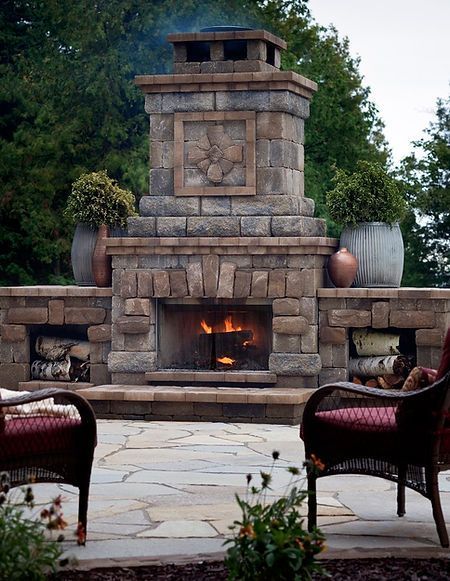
213, 226
161, 283
332, 375
286, 307
431, 338
13, 333
132, 324
267, 205
277, 284
140, 341
309, 340
137, 307
27, 315
294, 284
226, 280
286, 343
131, 362
380, 315
99, 374
128, 284
412, 319
56, 312
332, 335
84, 316
259, 283
173, 226
144, 284
142, 226
195, 279
289, 325
169, 206
349, 318
178, 283
295, 364
242, 284
308, 308
99, 333
255, 226
210, 264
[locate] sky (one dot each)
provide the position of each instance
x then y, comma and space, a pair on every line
404, 46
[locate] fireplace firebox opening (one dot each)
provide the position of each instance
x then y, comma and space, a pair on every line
214, 334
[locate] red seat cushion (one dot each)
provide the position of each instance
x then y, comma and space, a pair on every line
28, 436
361, 419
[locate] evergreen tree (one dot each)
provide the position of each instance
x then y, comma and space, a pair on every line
426, 174
69, 105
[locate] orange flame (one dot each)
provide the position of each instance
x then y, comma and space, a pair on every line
229, 327
206, 327
226, 360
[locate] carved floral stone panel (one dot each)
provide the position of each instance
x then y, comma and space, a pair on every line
215, 153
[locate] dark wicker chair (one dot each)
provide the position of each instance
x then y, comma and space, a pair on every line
401, 436
49, 443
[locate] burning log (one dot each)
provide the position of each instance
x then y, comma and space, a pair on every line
220, 344
375, 366
56, 348
370, 343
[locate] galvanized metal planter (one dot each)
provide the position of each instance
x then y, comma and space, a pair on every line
83, 246
380, 253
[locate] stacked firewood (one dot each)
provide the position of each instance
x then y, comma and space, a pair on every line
61, 359
379, 362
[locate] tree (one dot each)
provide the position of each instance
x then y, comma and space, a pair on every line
426, 175
69, 106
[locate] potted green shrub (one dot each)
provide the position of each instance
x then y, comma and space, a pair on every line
96, 204
369, 205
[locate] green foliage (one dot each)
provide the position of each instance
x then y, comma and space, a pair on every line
97, 199
426, 177
369, 194
69, 106
25, 550
269, 542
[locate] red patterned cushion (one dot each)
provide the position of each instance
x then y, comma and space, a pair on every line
29, 436
361, 419
445, 359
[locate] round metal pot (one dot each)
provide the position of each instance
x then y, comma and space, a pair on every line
380, 253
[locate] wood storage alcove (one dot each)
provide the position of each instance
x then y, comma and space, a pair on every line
214, 334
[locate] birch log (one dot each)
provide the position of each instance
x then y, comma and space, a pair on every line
66, 369
56, 348
374, 366
370, 343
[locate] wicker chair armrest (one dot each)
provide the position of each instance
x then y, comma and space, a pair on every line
390, 396
79, 402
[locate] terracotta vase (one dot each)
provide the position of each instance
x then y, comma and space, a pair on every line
342, 267
101, 262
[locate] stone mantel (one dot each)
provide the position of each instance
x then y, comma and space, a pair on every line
225, 245
384, 293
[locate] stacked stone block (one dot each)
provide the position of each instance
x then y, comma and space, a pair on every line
424, 310
23, 308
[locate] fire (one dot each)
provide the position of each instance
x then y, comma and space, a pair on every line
206, 327
226, 360
229, 327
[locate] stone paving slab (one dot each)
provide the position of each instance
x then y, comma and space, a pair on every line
164, 492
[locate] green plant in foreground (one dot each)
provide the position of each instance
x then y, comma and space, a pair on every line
369, 194
269, 543
26, 552
97, 199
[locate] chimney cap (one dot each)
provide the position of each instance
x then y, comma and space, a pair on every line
230, 34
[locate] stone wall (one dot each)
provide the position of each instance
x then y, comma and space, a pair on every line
426, 311
24, 308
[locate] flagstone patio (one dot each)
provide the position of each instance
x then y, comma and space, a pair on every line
164, 491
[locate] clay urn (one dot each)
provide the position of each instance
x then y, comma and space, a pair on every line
342, 267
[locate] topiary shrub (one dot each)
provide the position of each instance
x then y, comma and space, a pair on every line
97, 199
369, 194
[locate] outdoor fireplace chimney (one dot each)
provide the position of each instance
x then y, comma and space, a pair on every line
226, 231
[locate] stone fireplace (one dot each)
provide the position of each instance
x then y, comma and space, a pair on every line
216, 283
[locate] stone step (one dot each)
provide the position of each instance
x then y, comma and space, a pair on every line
185, 377
194, 403
35, 385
